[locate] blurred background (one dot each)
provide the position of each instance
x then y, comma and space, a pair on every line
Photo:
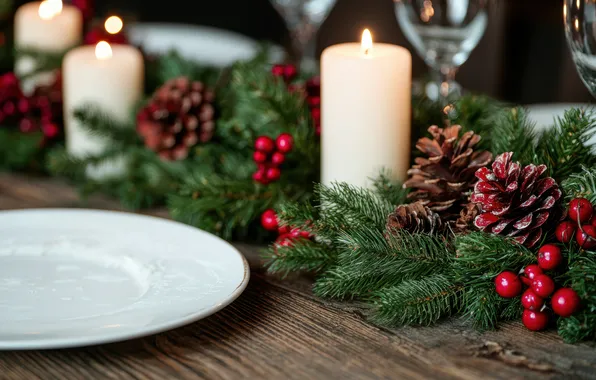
522, 58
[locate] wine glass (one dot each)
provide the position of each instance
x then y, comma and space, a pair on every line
303, 19
443, 33
580, 30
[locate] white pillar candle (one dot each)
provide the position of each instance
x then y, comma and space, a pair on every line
46, 26
108, 77
365, 110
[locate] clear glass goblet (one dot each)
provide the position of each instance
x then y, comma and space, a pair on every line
580, 30
443, 33
303, 19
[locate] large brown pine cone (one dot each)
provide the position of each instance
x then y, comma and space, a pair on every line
414, 218
179, 116
444, 179
516, 201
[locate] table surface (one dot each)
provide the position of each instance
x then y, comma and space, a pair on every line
278, 329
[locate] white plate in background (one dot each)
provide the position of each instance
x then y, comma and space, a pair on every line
545, 114
73, 277
208, 45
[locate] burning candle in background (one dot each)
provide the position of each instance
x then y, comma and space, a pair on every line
366, 99
105, 76
111, 31
47, 26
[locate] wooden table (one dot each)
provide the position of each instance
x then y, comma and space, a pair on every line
279, 330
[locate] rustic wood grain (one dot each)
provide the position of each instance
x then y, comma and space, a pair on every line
278, 329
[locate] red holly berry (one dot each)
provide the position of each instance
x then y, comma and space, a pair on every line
284, 142
26, 125
269, 220
508, 284
283, 230
264, 144
273, 174
260, 176
565, 302
531, 300
535, 320
277, 70
549, 257
259, 157
565, 231
580, 210
543, 285
530, 272
586, 236
290, 72
593, 221
316, 114
50, 130
284, 240
314, 101
278, 158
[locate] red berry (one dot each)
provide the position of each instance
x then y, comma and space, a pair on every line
273, 174
26, 125
284, 240
508, 284
543, 285
50, 130
278, 158
277, 70
295, 233
283, 230
264, 144
593, 221
531, 300
586, 236
565, 231
269, 220
305, 234
565, 302
259, 157
530, 272
284, 142
23, 105
535, 320
260, 176
549, 257
316, 114
580, 210
314, 101
290, 72
9, 108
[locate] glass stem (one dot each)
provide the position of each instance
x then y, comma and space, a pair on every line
447, 84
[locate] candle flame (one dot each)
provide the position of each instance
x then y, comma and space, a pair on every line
48, 9
103, 50
113, 24
367, 42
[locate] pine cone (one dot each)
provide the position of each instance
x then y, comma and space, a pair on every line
466, 218
179, 116
414, 217
445, 179
516, 201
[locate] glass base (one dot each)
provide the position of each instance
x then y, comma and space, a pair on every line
446, 90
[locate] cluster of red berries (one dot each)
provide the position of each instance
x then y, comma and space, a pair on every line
564, 302
581, 223
269, 155
311, 90
40, 111
286, 234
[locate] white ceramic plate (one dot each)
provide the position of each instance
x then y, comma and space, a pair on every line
81, 277
545, 114
210, 46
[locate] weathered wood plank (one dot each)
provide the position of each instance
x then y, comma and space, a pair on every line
278, 329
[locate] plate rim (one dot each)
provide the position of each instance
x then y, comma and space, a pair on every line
60, 343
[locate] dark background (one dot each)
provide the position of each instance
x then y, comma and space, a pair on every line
522, 58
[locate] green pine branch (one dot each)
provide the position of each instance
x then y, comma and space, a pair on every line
303, 255
18, 150
416, 302
565, 148
513, 131
44, 61
172, 65
581, 184
99, 123
389, 190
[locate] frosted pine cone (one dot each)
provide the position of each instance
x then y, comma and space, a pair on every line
179, 116
515, 201
444, 179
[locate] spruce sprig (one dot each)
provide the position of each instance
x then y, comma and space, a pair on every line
581, 184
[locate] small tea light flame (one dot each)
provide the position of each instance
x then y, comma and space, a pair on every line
367, 42
48, 9
103, 50
113, 24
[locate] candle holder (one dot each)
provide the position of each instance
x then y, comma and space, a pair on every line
303, 19
443, 33
581, 37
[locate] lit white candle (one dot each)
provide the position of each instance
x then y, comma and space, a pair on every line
109, 77
365, 111
46, 26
